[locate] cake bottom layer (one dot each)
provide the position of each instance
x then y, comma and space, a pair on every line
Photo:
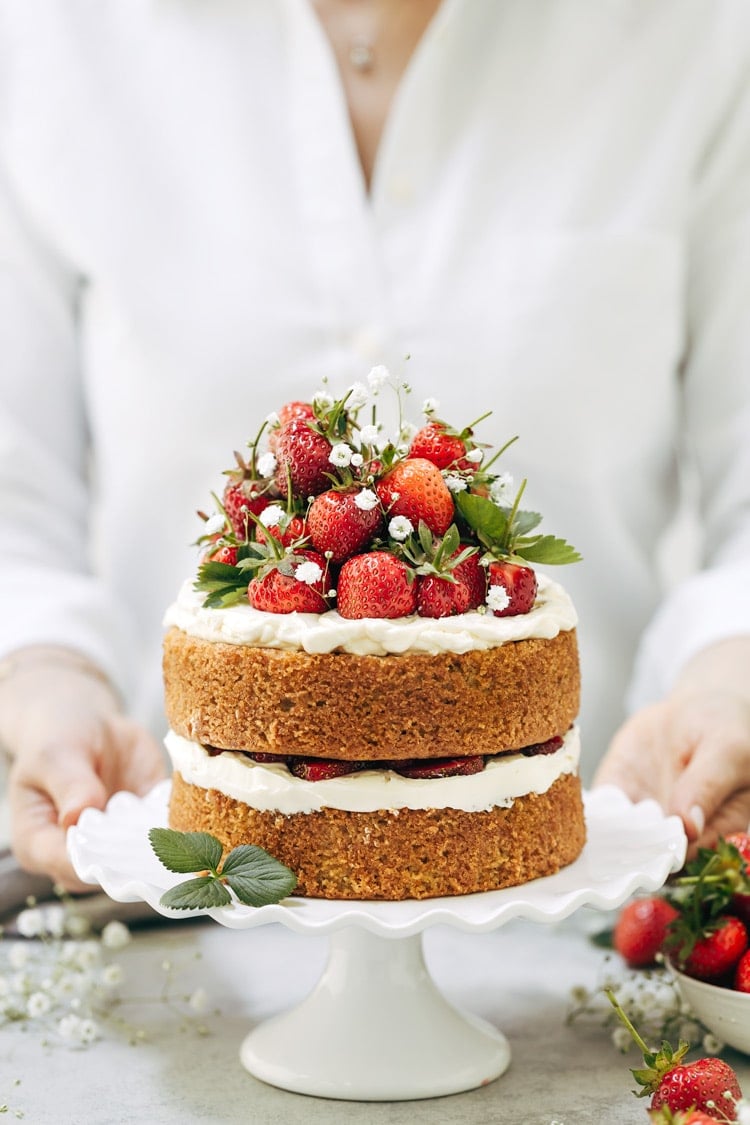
399, 853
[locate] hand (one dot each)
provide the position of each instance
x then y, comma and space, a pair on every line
691, 752
72, 749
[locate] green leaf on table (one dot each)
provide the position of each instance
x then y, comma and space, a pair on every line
255, 876
197, 894
184, 852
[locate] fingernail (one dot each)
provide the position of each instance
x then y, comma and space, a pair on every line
698, 818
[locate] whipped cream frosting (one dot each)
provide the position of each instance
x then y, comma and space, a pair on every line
552, 613
271, 787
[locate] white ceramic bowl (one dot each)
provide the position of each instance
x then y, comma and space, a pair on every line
724, 1012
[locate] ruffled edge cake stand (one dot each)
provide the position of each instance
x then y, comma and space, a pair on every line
376, 1027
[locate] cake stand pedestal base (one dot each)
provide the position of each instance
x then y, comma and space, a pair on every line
375, 1028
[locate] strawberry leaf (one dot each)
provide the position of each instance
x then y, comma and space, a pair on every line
185, 851
488, 520
202, 893
546, 549
256, 877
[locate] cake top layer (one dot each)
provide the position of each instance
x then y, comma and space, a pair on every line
241, 624
330, 516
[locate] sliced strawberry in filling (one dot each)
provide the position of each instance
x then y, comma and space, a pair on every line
442, 767
321, 769
551, 746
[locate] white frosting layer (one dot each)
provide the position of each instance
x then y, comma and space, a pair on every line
271, 787
329, 632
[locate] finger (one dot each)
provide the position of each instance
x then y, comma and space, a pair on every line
39, 841
143, 759
714, 781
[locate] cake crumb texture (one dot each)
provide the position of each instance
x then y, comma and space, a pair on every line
359, 708
399, 853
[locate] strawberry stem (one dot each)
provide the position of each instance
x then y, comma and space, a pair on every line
626, 1022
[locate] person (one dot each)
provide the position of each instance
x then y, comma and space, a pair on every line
205, 209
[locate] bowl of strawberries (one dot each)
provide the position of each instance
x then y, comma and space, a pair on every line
708, 947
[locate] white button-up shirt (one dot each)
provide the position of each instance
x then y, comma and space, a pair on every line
557, 230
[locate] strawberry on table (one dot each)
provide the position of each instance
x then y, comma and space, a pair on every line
415, 488
376, 584
677, 1085
344, 522
641, 930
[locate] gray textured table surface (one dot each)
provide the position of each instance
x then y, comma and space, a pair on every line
518, 978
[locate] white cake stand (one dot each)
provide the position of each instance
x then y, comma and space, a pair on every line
375, 1027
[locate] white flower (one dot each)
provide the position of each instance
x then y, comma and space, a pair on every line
88, 1031
272, 515
115, 935
455, 483
214, 524
69, 1028
112, 975
308, 572
368, 435
712, 1045
77, 925
54, 919
408, 430
621, 1039
400, 528
497, 598
474, 455
272, 419
501, 490
38, 1004
266, 464
366, 500
359, 395
199, 1000
340, 455
378, 378
356, 460
30, 923
430, 406
18, 955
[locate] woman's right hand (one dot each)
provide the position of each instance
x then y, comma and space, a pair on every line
71, 749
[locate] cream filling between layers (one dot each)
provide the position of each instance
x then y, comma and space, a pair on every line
552, 613
270, 787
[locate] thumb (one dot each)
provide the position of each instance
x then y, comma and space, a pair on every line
73, 787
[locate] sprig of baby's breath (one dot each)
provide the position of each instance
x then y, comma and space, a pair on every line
257, 878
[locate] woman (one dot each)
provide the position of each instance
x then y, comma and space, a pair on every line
208, 208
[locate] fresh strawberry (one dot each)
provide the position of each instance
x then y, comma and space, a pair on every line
242, 497
337, 524
376, 584
441, 597
742, 973
226, 553
287, 413
702, 1085
740, 900
519, 583
641, 930
321, 769
441, 767
664, 1116
302, 455
278, 590
436, 443
415, 488
550, 746
717, 954
289, 530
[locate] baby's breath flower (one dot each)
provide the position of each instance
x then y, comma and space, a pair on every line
272, 419
378, 378
359, 396
77, 925
621, 1039
112, 975
89, 954
272, 515
356, 460
266, 464
407, 432
455, 483
497, 598
368, 435
214, 524
308, 572
115, 935
69, 1028
366, 500
18, 955
430, 406
30, 923
38, 1004
340, 455
88, 1031
474, 455
400, 528
501, 490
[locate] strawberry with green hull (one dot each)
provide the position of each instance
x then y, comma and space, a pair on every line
344, 522
415, 488
303, 457
294, 584
665, 1116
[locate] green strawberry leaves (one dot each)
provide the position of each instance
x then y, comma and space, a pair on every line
504, 532
255, 877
